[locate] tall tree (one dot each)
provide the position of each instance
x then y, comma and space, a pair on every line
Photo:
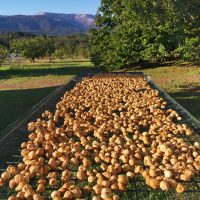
100, 38
130, 31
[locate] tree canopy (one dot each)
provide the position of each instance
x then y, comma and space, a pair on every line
33, 48
130, 31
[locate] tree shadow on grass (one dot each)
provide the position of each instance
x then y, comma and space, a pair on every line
190, 100
141, 66
14, 103
74, 69
147, 65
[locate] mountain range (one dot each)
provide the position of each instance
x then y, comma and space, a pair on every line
47, 23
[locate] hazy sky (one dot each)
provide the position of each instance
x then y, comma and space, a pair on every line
12, 7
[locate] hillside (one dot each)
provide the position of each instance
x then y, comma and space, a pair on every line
47, 23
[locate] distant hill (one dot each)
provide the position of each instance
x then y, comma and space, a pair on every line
47, 23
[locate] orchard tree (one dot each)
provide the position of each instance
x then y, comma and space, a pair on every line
48, 45
34, 48
30, 48
3, 54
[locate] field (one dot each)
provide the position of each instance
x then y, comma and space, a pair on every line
24, 85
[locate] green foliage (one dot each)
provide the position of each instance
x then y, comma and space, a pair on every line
154, 53
3, 54
190, 49
6, 38
48, 45
59, 53
143, 31
72, 46
33, 48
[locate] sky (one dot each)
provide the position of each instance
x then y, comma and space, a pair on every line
29, 7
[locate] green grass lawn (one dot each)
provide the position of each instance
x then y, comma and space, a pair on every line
24, 85
34, 75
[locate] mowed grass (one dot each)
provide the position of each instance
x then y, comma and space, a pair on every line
24, 85
41, 74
